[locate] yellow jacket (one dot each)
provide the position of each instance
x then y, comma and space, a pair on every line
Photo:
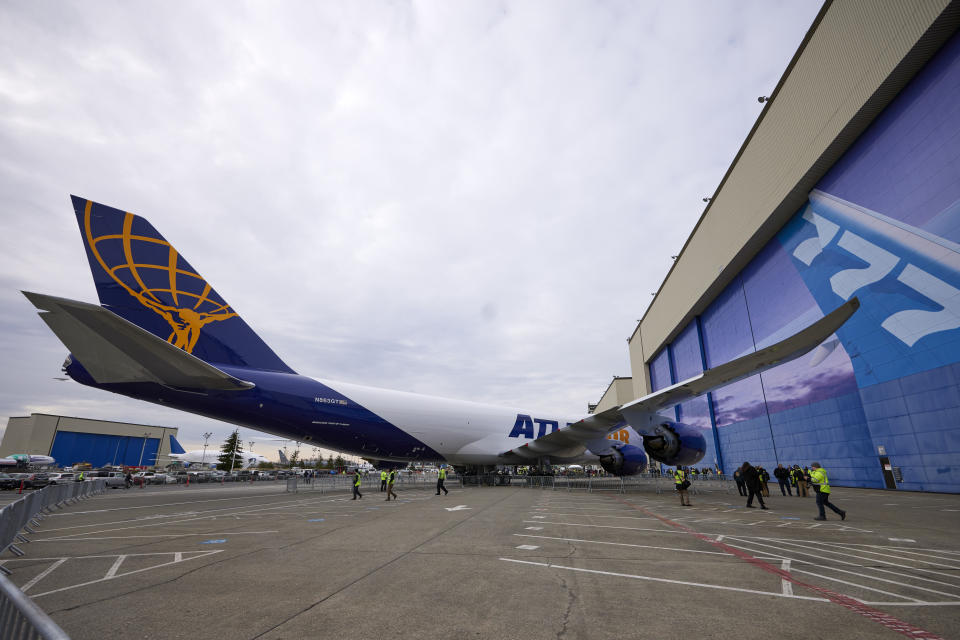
818, 476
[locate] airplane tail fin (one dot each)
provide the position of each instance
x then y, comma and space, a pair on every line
140, 277
283, 458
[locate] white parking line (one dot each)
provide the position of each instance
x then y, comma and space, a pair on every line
158, 535
653, 579
787, 586
621, 544
43, 574
782, 554
116, 565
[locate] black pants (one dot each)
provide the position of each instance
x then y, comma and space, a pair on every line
741, 487
356, 492
823, 500
383, 485
785, 488
440, 486
754, 491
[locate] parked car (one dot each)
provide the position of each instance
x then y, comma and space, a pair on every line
60, 478
152, 477
7, 481
114, 479
29, 480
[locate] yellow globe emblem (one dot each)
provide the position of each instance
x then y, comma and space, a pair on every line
175, 291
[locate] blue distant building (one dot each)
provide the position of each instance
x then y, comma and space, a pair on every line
102, 443
848, 185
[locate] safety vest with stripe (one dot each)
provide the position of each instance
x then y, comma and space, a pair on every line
819, 477
678, 476
443, 474
356, 480
383, 475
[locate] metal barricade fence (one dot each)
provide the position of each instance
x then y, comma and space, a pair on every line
20, 618
18, 516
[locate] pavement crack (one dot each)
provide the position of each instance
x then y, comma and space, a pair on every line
571, 598
378, 568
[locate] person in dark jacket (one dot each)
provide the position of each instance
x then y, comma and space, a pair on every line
783, 477
741, 485
751, 477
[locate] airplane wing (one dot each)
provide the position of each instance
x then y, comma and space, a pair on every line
113, 350
573, 440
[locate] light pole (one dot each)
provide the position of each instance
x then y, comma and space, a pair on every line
203, 458
142, 447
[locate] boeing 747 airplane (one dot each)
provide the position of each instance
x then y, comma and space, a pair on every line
162, 334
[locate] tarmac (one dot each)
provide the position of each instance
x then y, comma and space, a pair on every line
253, 561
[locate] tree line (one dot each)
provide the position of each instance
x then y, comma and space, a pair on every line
232, 450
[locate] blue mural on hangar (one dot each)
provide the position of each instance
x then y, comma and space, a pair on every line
884, 225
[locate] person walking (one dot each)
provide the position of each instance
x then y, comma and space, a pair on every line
741, 486
821, 485
391, 478
383, 480
783, 478
682, 484
441, 476
764, 479
751, 477
356, 485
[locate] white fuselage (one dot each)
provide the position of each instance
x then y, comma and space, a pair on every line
210, 457
463, 432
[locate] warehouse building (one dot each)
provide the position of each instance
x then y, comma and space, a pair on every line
102, 443
848, 185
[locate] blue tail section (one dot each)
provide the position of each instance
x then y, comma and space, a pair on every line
176, 447
143, 279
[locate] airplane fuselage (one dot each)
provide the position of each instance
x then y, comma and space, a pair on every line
360, 420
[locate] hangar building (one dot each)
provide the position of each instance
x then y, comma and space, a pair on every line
100, 442
847, 185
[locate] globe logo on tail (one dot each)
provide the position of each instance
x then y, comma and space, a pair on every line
152, 271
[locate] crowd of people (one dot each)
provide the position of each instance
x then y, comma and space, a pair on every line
753, 482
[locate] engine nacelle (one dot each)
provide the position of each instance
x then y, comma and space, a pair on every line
675, 444
624, 460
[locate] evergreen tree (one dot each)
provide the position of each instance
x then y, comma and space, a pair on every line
232, 449
339, 462
329, 464
295, 458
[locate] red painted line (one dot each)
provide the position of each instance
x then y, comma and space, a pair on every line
887, 620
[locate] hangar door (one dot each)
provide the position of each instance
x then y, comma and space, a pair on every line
71, 447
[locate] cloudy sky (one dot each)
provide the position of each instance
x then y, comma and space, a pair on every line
465, 199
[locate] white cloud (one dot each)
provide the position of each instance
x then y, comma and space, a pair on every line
466, 199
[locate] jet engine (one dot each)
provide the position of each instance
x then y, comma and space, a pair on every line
675, 444
624, 460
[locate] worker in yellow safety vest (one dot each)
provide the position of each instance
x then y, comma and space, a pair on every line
391, 478
383, 480
818, 478
356, 485
681, 483
441, 476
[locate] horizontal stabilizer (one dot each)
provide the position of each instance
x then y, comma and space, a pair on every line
566, 440
113, 350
